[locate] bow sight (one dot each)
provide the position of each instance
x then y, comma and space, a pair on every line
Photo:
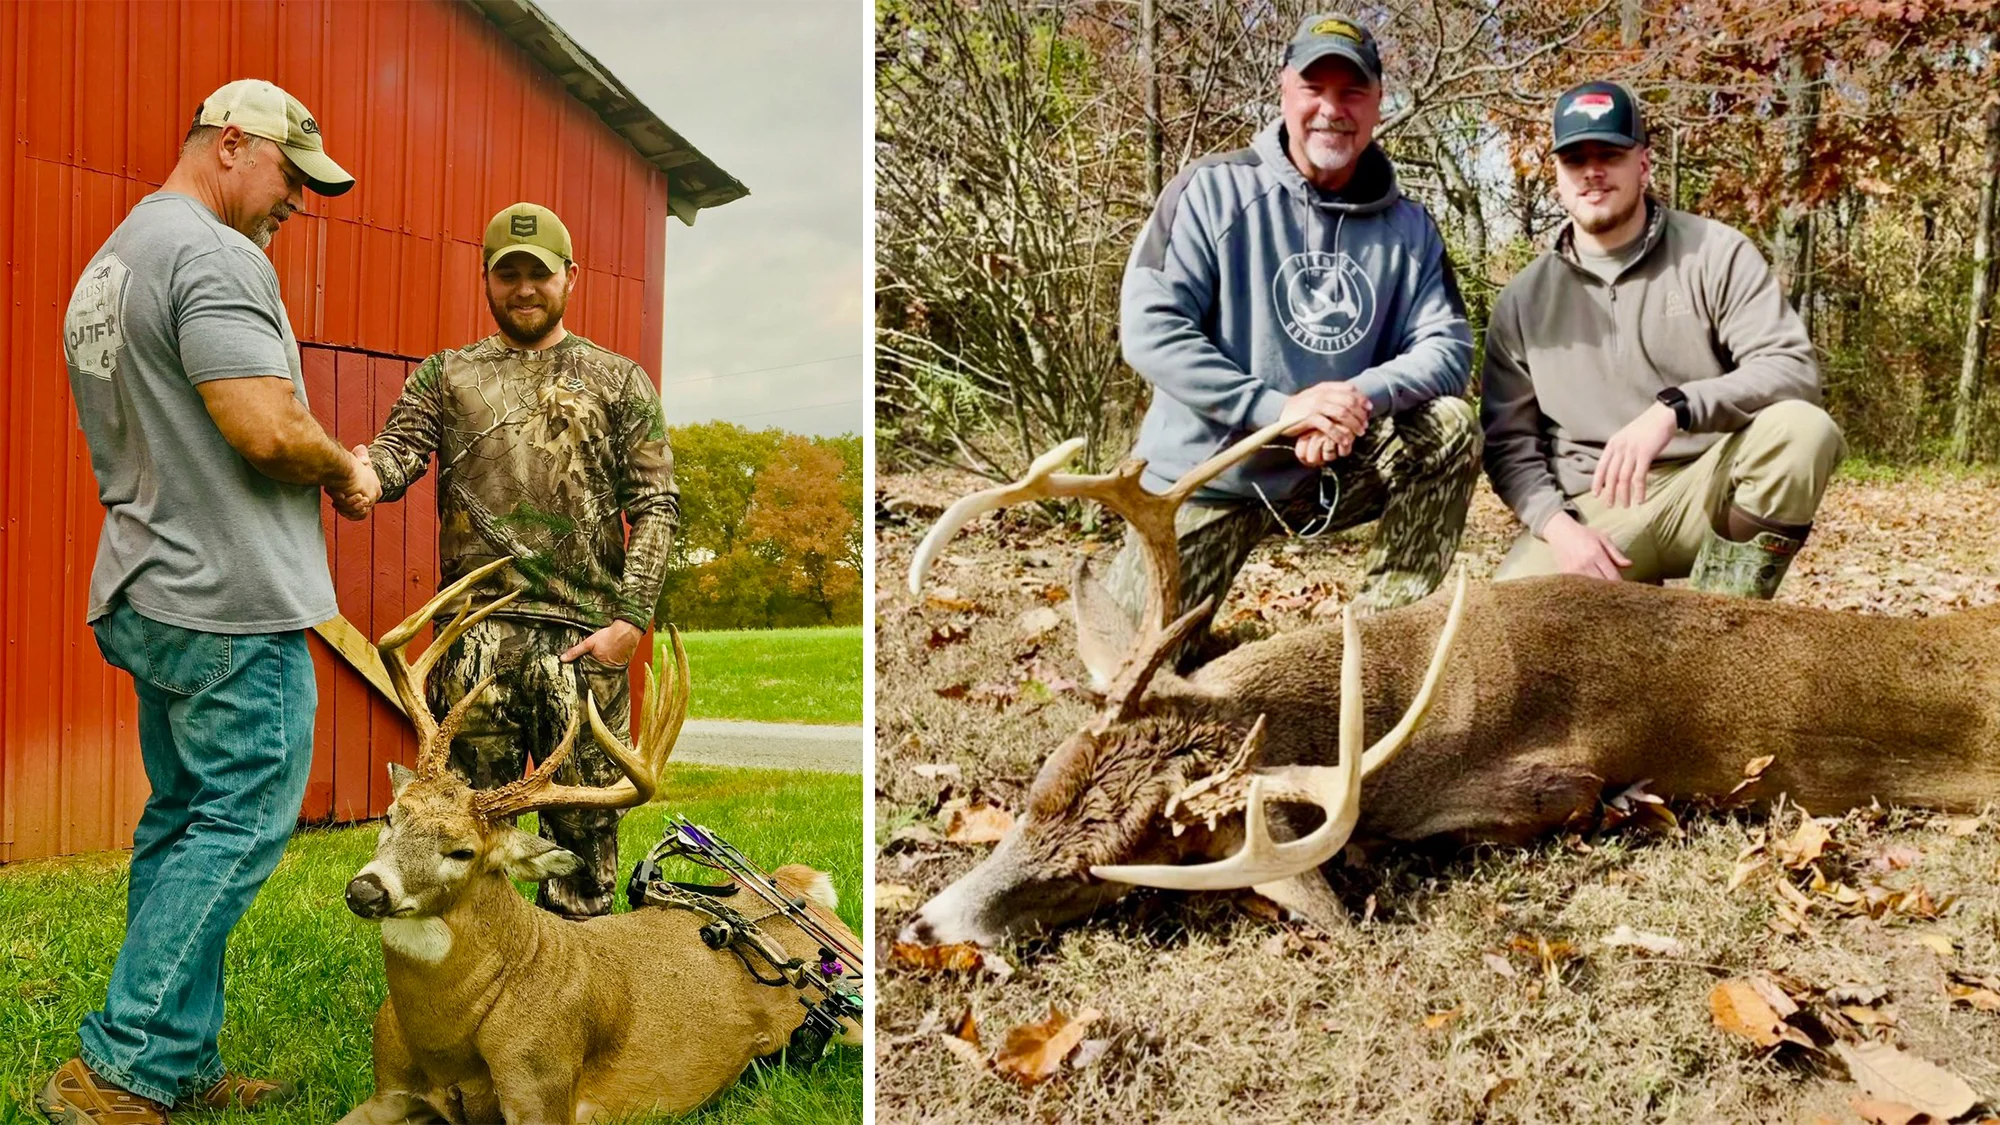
833, 981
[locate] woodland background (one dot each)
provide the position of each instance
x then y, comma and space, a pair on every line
770, 532
1020, 146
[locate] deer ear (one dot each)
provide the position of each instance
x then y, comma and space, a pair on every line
532, 858
1104, 631
399, 779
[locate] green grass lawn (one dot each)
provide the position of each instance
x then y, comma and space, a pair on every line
777, 675
304, 976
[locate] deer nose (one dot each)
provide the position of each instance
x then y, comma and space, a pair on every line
366, 896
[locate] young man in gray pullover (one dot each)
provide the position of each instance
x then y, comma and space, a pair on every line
1292, 280
1650, 401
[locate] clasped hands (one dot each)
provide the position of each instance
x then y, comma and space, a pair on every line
357, 491
1326, 420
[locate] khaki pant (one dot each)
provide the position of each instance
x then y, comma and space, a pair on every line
522, 717
1412, 474
1775, 469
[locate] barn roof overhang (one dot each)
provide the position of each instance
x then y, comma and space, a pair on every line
693, 180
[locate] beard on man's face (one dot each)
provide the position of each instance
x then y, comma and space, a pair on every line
1597, 219
525, 326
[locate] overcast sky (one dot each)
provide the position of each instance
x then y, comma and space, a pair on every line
771, 91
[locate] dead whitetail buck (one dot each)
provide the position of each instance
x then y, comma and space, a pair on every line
500, 1011
1553, 690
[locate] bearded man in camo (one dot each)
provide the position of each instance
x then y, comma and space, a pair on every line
544, 441
1293, 281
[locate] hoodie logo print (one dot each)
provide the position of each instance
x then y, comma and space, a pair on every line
1325, 301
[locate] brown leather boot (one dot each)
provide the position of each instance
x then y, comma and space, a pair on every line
75, 1095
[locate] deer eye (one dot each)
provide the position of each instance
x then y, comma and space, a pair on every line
461, 854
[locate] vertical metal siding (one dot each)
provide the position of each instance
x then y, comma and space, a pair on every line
443, 122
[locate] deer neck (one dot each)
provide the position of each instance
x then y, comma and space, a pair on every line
456, 964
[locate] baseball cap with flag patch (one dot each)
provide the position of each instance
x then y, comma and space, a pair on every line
1598, 111
1337, 36
260, 109
530, 228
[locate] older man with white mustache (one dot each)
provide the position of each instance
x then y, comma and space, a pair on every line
1292, 280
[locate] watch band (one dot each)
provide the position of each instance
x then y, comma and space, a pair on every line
1676, 400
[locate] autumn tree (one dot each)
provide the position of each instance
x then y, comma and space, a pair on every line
770, 529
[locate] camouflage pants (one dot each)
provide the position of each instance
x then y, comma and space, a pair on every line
522, 717
1412, 474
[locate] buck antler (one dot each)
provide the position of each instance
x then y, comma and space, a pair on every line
1335, 789
659, 728
434, 738
1151, 517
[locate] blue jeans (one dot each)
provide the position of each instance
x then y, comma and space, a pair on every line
226, 730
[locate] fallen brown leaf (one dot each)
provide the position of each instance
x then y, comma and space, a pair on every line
1938, 943
963, 1041
1805, 845
983, 823
1034, 1052
1743, 1007
949, 633
1437, 1020
1875, 1111
1037, 623
1892, 1074
958, 957
895, 897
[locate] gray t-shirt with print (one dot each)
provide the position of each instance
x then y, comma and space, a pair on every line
193, 534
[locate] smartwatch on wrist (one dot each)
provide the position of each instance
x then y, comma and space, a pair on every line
1676, 400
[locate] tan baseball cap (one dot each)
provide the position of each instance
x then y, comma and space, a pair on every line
532, 228
260, 109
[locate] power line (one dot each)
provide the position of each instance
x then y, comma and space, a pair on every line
760, 370
788, 409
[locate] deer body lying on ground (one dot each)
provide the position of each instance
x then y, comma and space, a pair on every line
1520, 702
499, 1011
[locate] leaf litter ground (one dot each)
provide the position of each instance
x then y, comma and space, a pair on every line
1768, 966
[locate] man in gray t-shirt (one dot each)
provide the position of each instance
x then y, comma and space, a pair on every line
210, 565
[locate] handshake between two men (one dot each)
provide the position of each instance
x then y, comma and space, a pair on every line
355, 490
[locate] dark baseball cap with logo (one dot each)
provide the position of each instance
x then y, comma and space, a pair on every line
532, 229
1598, 111
1330, 35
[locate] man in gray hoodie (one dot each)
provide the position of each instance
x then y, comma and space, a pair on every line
1292, 280
1650, 401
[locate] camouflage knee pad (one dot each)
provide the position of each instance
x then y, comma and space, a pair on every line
522, 717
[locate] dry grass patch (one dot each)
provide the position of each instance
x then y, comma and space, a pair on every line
1478, 987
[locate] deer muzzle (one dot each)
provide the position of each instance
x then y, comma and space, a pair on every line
367, 897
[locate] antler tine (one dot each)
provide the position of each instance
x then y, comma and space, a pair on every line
1150, 515
408, 679
1389, 745
665, 710
523, 794
434, 752
666, 707
970, 506
1129, 686
1335, 789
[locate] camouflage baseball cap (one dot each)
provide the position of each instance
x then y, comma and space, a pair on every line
532, 228
262, 110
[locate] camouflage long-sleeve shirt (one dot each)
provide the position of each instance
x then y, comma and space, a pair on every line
538, 455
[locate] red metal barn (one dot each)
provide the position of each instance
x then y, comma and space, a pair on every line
445, 112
